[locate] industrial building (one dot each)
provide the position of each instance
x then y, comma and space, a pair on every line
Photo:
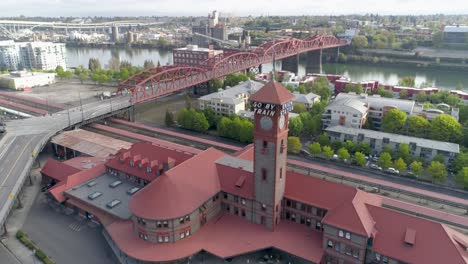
163, 205
22, 80
32, 55
457, 34
211, 28
192, 55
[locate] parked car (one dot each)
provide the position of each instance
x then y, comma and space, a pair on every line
393, 171
375, 159
305, 152
335, 157
376, 167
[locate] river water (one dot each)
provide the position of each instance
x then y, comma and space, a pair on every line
356, 72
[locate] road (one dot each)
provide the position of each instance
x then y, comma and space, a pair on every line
25, 138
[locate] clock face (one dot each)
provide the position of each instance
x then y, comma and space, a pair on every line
281, 121
266, 123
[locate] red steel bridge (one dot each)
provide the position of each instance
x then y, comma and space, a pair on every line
160, 81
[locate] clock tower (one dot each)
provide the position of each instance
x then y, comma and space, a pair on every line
271, 105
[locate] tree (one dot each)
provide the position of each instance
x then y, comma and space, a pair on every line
363, 147
163, 43
403, 94
114, 64
462, 178
422, 97
460, 161
385, 160
393, 121
299, 108
169, 119
446, 128
416, 167
59, 69
343, 154
327, 152
353, 87
188, 101
246, 131
360, 159
148, 64
234, 79
83, 76
439, 157
294, 145
437, 38
94, 64
312, 124
418, 126
321, 87
124, 74
295, 126
407, 81
404, 152
215, 84
323, 139
193, 120
452, 100
384, 93
399, 164
315, 149
210, 116
350, 146
437, 171
68, 74
360, 42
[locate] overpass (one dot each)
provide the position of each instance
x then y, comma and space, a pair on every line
160, 81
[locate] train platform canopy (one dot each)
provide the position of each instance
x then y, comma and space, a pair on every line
90, 143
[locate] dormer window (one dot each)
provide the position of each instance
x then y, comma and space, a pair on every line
340, 233
132, 164
348, 235
140, 165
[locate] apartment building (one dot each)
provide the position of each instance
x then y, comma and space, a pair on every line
37, 55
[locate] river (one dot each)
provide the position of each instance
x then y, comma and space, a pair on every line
356, 72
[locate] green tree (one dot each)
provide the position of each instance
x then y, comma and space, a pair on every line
299, 108
295, 126
336, 144
343, 154
352, 87
416, 167
169, 119
68, 74
388, 149
234, 79
437, 171
446, 128
59, 69
384, 93
350, 146
404, 152
215, 84
359, 42
393, 121
294, 145
223, 127
94, 64
193, 120
124, 74
399, 164
460, 161
364, 148
440, 158
321, 87
418, 126
210, 116
407, 81
163, 43
437, 38
422, 97
462, 178
403, 94
327, 152
114, 64
385, 160
312, 124
148, 64
315, 149
83, 76
360, 159
323, 139
246, 131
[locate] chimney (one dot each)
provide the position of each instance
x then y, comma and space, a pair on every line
169, 164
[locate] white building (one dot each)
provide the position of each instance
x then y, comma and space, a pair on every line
306, 99
21, 80
37, 55
419, 147
230, 101
347, 112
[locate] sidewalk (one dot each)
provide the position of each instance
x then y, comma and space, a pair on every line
17, 218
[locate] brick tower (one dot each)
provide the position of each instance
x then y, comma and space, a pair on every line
271, 105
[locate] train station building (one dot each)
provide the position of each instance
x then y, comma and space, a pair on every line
164, 205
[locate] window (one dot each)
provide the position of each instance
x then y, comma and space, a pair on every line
348, 235
377, 256
160, 239
243, 213
385, 259
386, 140
263, 220
318, 225
293, 217
132, 164
288, 203
165, 224
143, 236
228, 208
303, 207
141, 221
356, 253
236, 199
132, 190
277, 208
282, 146
181, 220
243, 201
348, 251
182, 235
187, 233
281, 173
225, 195
337, 247
158, 224
263, 207
236, 211
166, 239
148, 169
265, 144
340, 233
264, 174
115, 184
330, 244
187, 218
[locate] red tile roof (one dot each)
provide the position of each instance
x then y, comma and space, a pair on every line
142, 151
84, 162
58, 170
73, 180
230, 178
274, 93
180, 190
247, 153
238, 237
434, 243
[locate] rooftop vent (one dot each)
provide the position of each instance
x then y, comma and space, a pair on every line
91, 183
115, 184
410, 237
94, 195
113, 203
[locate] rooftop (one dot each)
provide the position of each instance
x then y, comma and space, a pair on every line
422, 142
58, 170
357, 105
238, 237
108, 193
305, 98
233, 94
376, 101
90, 143
274, 93
456, 29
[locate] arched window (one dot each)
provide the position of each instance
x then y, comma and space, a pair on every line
340, 233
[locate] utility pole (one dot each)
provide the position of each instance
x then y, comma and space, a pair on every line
81, 107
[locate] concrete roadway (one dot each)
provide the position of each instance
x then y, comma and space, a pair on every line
25, 138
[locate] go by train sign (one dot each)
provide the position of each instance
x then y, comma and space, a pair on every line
267, 109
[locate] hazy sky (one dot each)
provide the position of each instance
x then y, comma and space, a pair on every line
234, 7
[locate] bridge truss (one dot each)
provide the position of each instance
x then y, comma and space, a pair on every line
160, 81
